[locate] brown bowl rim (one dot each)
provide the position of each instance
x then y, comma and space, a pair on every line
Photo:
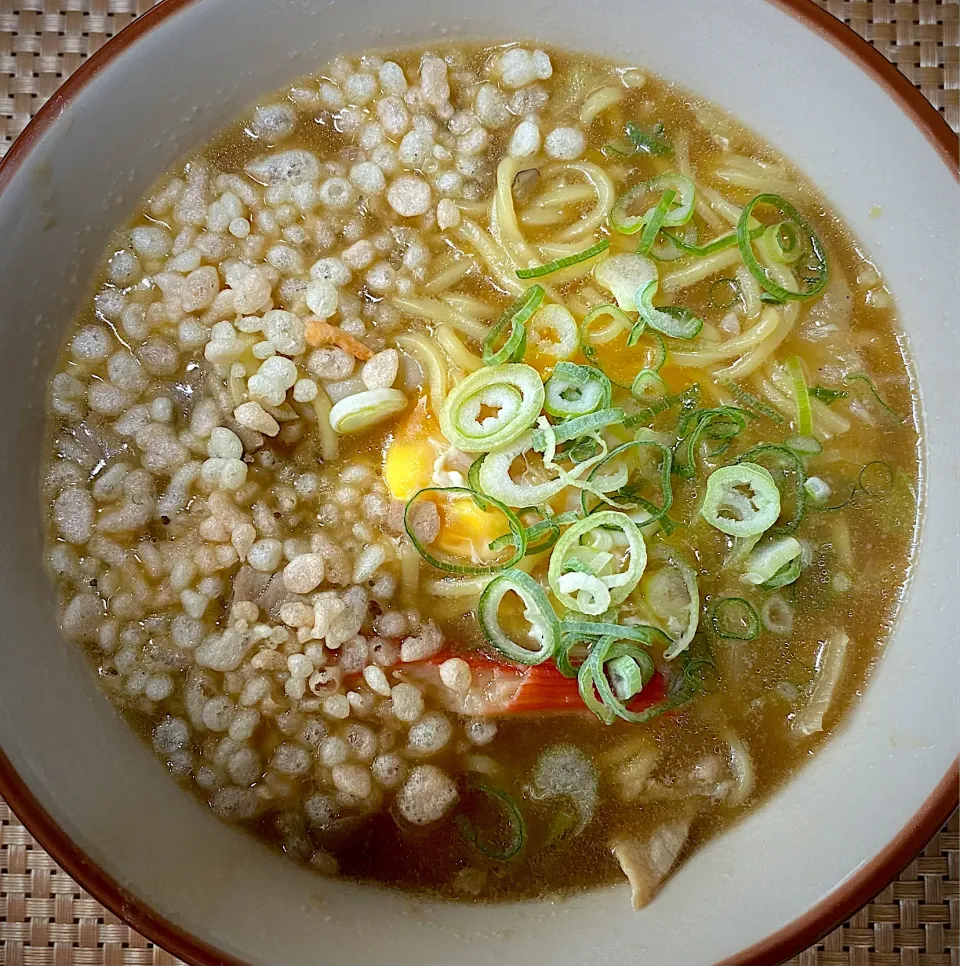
854, 893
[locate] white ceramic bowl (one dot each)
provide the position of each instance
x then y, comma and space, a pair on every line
102, 803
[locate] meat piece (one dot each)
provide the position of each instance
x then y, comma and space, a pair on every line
647, 862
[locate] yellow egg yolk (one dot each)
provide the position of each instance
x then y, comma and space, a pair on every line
408, 466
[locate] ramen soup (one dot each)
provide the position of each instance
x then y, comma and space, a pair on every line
487, 471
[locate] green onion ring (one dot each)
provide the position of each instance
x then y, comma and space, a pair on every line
755, 515
720, 424
515, 316
511, 812
801, 395
643, 416
735, 619
820, 271
672, 320
648, 386
864, 378
782, 242
620, 499
752, 402
876, 487
733, 287
655, 222
676, 211
622, 584
516, 389
579, 426
619, 322
803, 445
537, 611
592, 679
575, 390
789, 573
666, 554
719, 244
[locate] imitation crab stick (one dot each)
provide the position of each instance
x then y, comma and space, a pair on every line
504, 689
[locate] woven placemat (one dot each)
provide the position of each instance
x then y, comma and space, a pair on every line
46, 919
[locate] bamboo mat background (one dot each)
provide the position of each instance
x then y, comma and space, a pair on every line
47, 920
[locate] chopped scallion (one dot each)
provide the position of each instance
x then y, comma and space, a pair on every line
735, 619
558, 263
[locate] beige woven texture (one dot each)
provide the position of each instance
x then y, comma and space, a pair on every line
47, 920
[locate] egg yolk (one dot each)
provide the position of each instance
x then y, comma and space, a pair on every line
408, 466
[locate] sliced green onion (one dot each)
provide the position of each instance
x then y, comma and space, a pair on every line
617, 321
625, 677
777, 615
550, 267
664, 248
628, 496
621, 584
816, 489
650, 142
721, 425
607, 323
575, 390
648, 386
681, 640
654, 223
818, 270
868, 382
764, 562
473, 475
618, 149
356, 413
752, 402
592, 679
515, 317
624, 275
803, 445
540, 536
670, 212
876, 478
513, 817
672, 320
579, 426
728, 286
515, 391
592, 594
827, 395
484, 503
789, 573
801, 396
495, 479
719, 244
544, 626
553, 331
788, 473
735, 619
782, 242
742, 500
641, 633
